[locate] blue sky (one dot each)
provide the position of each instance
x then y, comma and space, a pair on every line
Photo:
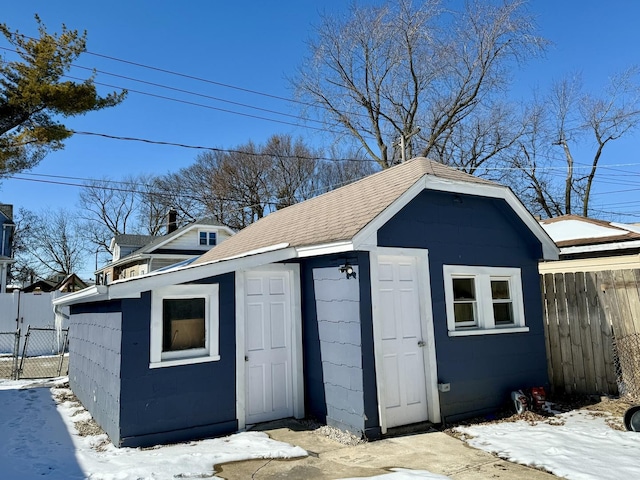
256, 45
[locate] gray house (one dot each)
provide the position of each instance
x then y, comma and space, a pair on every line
411, 295
7, 227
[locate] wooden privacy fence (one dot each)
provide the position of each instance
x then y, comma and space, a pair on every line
592, 331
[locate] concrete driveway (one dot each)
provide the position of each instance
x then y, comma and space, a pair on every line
434, 451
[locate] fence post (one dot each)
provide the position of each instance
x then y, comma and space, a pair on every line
16, 353
64, 348
24, 351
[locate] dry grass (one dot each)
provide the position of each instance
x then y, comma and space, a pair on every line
611, 408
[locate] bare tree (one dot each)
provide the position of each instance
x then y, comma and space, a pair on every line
107, 208
422, 74
575, 126
53, 240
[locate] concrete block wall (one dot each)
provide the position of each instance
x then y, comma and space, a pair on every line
338, 315
94, 366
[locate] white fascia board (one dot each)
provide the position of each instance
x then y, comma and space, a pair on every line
95, 293
602, 247
325, 249
131, 288
549, 249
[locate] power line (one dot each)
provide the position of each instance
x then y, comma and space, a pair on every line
186, 102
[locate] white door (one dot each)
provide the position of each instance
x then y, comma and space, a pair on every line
268, 353
403, 344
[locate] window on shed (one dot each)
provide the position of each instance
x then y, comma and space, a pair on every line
183, 324
482, 300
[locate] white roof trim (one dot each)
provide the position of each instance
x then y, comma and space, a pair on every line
132, 287
95, 293
325, 249
430, 182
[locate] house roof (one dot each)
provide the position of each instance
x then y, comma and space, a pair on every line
157, 242
149, 243
131, 240
576, 234
337, 215
344, 219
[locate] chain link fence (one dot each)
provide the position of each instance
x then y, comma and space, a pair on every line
41, 353
627, 362
9, 346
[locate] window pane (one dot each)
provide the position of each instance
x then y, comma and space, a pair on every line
212, 238
503, 313
464, 312
203, 238
500, 289
183, 324
464, 289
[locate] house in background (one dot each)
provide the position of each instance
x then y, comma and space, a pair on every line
135, 255
590, 245
7, 228
411, 295
69, 283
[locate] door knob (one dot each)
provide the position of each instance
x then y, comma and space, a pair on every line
421, 343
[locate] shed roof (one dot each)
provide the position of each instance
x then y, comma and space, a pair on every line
341, 220
337, 215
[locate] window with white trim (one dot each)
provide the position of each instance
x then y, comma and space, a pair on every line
184, 325
483, 300
207, 238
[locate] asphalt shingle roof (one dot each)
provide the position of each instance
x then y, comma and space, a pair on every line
337, 215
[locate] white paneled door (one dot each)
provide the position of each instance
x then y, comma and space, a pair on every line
268, 352
403, 345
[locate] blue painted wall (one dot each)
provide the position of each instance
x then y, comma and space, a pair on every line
151, 406
95, 333
170, 404
471, 230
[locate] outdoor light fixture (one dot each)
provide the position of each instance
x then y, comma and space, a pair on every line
347, 269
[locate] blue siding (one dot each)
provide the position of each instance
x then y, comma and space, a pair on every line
138, 406
170, 404
470, 230
94, 362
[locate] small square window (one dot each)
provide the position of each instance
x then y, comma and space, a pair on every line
207, 238
184, 325
482, 300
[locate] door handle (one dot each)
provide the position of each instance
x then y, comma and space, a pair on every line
421, 343
246, 358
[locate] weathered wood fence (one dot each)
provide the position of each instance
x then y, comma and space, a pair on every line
593, 331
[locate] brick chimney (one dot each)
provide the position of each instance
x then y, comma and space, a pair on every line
172, 220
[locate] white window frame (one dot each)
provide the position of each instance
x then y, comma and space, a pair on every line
485, 323
207, 232
210, 353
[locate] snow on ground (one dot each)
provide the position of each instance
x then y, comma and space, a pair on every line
38, 438
578, 445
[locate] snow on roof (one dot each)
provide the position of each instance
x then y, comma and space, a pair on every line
574, 231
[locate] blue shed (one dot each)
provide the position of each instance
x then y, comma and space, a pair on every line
411, 295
